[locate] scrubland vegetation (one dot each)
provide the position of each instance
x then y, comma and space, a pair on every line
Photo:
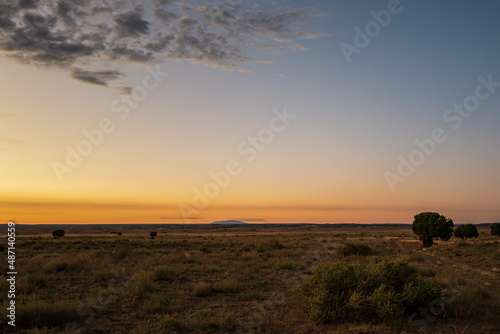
337, 281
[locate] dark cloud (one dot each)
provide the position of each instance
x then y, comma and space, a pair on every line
100, 78
131, 24
81, 37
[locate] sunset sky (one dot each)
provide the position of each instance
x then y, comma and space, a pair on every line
303, 111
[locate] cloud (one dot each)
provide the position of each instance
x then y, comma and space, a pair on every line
92, 40
99, 78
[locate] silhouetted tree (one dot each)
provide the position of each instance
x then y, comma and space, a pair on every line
495, 229
153, 235
466, 231
430, 225
58, 233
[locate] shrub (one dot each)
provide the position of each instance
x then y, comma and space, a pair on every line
356, 249
120, 253
285, 265
466, 231
54, 266
58, 233
204, 250
40, 280
142, 285
352, 292
202, 289
267, 246
153, 235
170, 324
431, 225
156, 304
495, 229
427, 272
230, 286
164, 273
103, 275
275, 244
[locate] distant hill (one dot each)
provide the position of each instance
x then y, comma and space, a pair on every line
229, 222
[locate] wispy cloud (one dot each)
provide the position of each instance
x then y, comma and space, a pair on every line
93, 39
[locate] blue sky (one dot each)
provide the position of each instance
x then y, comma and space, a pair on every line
353, 120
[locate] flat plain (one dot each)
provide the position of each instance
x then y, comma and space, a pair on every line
233, 279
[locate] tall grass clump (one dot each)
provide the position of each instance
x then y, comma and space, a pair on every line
202, 289
346, 292
142, 285
39, 313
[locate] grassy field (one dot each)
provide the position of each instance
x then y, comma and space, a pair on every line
229, 280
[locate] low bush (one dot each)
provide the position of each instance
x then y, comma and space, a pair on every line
285, 264
202, 289
38, 279
230, 286
164, 273
142, 285
353, 293
466, 231
170, 325
356, 249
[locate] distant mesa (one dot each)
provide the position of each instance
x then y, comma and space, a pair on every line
229, 222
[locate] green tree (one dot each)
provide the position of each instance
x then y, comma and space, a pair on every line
466, 231
431, 225
58, 233
495, 229
153, 235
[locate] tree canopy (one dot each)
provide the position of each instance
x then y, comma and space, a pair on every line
466, 231
431, 225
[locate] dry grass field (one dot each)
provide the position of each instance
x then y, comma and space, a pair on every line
235, 280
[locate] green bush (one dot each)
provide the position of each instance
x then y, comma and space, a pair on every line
495, 229
353, 292
356, 249
431, 225
466, 231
